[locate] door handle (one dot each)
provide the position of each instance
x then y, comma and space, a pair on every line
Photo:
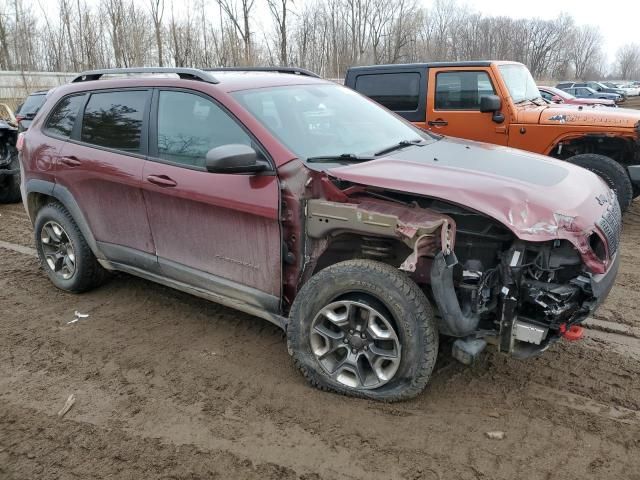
162, 180
439, 122
71, 161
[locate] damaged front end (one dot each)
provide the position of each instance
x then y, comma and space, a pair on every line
534, 294
489, 285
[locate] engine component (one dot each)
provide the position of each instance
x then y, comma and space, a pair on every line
468, 350
527, 332
455, 321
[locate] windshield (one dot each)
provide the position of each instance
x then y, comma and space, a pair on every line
326, 120
562, 94
519, 82
32, 104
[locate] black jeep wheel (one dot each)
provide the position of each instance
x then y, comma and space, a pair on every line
10, 184
614, 175
63, 251
363, 328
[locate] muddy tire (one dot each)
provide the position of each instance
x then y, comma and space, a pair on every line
63, 251
614, 175
10, 184
363, 328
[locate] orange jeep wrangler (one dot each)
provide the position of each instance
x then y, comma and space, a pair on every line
499, 103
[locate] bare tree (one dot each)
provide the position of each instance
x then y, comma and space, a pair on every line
240, 20
326, 36
279, 10
628, 60
157, 12
5, 56
584, 49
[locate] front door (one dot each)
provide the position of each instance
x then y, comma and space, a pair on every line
453, 105
219, 232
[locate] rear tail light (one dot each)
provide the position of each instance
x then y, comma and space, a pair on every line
20, 141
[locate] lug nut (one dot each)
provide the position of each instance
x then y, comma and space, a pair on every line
353, 350
351, 332
345, 340
366, 348
362, 335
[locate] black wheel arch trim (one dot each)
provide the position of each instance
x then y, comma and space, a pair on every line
64, 196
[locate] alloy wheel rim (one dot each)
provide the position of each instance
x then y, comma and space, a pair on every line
355, 344
58, 250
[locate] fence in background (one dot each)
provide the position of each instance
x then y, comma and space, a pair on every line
15, 86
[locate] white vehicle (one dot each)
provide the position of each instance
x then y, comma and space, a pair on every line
631, 90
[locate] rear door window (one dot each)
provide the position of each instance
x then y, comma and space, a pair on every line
396, 91
114, 120
190, 125
63, 117
462, 90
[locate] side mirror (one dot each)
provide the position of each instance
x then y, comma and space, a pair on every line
490, 103
556, 99
233, 158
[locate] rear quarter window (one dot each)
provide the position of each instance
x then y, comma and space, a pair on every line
63, 117
114, 120
396, 91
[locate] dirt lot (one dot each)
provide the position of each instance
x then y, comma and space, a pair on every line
632, 102
171, 386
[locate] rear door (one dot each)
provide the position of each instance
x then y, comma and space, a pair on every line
453, 104
215, 231
101, 166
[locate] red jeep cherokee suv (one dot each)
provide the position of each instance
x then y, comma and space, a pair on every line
302, 202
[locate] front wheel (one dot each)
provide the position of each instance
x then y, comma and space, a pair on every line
613, 174
363, 328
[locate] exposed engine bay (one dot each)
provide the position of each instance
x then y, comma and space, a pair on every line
488, 285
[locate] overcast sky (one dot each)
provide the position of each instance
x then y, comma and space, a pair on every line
619, 21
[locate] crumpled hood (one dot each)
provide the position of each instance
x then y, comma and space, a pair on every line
589, 116
537, 197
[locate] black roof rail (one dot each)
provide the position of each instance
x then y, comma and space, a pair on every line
291, 70
185, 73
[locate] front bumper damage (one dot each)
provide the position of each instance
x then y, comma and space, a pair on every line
515, 334
523, 337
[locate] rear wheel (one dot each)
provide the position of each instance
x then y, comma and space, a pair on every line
614, 175
363, 328
63, 251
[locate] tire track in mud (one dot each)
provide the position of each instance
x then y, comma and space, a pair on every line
152, 366
228, 400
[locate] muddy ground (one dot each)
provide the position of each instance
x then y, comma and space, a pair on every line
172, 386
